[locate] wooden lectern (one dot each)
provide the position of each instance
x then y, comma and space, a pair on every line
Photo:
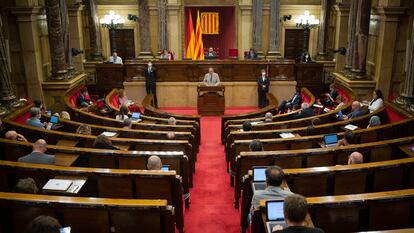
210, 100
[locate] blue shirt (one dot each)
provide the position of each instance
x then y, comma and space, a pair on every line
356, 113
35, 122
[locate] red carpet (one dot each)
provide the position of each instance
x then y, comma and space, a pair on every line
211, 208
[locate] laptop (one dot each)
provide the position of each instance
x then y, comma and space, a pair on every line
259, 178
330, 140
54, 120
274, 214
135, 116
57, 185
165, 168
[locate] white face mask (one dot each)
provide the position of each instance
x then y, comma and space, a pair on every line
150, 65
263, 74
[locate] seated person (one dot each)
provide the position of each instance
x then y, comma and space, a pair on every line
247, 126
127, 124
210, 54
103, 142
123, 100
268, 117
39, 104
115, 59
211, 78
355, 158
172, 121
38, 154
349, 138
274, 179
34, 119
170, 135
340, 102
295, 210
356, 110
13, 135
374, 121
123, 113
84, 129
83, 99
65, 115
377, 101
27, 185
305, 111
251, 54
330, 98
311, 130
290, 104
165, 55
316, 121
43, 224
154, 163
256, 145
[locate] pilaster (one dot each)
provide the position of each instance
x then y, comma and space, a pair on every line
174, 29
76, 34
341, 32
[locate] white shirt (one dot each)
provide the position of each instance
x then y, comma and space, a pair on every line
375, 105
116, 60
119, 117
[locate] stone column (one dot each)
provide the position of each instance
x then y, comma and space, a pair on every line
351, 35
145, 36
76, 34
274, 30
66, 34
323, 31
359, 59
7, 96
56, 43
341, 32
94, 34
257, 26
162, 25
406, 99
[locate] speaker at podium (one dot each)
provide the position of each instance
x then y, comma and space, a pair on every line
210, 100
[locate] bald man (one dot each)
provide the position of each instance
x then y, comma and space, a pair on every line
38, 154
356, 111
268, 117
211, 78
13, 135
355, 158
172, 121
154, 163
170, 135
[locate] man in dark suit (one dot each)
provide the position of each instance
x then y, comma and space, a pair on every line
150, 82
263, 84
305, 111
294, 102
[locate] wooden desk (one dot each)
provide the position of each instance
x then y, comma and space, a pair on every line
63, 159
122, 146
408, 149
210, 100
68, 143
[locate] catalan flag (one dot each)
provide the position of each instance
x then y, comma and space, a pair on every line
210, 23
190, 38
198, 46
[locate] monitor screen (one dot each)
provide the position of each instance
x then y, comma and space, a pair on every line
330, 139
259, 174
274, 211
54, 119
165, 168
136, 115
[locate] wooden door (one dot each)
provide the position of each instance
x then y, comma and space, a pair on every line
293, 43
122, 41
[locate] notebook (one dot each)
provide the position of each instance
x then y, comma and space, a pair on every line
274, 214
57, 185
135, 116
259, 178
330, 140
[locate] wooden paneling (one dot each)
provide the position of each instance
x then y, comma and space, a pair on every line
293, 43
123, 43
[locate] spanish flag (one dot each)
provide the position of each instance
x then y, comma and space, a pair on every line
190, 38
198, 46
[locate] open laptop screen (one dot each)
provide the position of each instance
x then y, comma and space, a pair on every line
259, 174
54, 119
165, 168
274, 211
136, 115
330, 139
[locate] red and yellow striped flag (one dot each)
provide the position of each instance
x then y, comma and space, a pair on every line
190, 38
210, 23
198, 46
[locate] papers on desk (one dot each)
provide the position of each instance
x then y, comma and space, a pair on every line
326, 110
287, 135
255, 122
351, 127
317, 106
109, 134
57, 185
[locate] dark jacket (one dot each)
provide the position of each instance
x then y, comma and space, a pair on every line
39, 158
260, 83
296, 101
150, 76
81, 102
307, 112
356, 113
300, 229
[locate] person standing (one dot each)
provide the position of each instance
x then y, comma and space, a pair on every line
263, 84
211, 78
150, 82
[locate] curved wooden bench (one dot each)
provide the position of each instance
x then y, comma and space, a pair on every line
373, 152
108, 183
